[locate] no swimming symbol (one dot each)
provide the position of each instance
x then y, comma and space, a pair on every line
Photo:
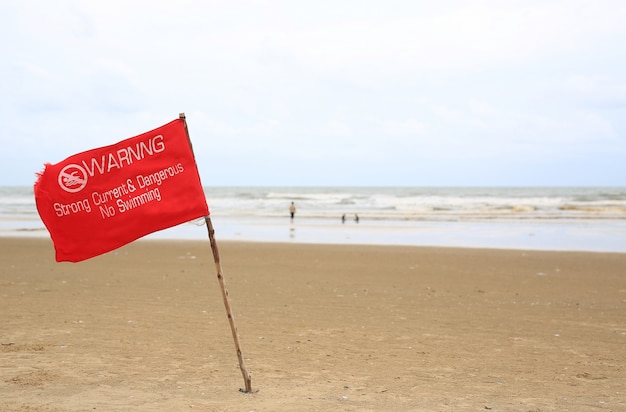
72, 178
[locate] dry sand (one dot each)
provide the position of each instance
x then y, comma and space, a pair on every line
322, 328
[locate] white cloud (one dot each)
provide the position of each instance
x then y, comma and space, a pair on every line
471, 36
410, 127
599, 89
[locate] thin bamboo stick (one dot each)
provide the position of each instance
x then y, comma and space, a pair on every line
220, 277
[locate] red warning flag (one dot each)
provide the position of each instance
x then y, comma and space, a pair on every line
101, 199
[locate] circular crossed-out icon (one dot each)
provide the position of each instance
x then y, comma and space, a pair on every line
72, 178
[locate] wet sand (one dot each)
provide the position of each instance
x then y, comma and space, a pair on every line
322, 327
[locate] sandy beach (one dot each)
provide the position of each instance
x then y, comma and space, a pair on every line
322, 327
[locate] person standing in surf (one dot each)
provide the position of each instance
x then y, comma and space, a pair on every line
292, 210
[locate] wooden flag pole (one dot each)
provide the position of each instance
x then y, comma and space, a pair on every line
220, 277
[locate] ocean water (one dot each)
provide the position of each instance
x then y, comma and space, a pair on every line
545, 218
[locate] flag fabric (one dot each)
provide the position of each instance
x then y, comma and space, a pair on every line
101, 199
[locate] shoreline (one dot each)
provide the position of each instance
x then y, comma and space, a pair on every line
201, 242
592, 236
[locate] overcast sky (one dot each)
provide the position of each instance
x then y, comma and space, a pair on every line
369, 93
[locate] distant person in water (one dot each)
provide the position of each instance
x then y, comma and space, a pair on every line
292, 210
343, 218
356, 218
